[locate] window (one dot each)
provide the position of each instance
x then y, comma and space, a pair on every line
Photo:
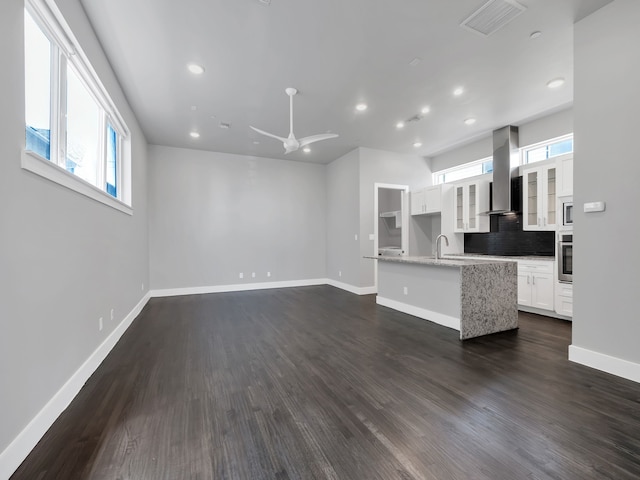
472, 169
533, 153
549, 149
70, 120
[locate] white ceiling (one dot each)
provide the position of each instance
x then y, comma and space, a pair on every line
336, 53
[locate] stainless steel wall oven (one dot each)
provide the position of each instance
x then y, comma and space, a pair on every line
565, 258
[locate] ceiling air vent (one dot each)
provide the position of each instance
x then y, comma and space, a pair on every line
492, 16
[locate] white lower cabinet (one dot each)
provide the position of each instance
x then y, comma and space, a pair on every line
564, 299
536, 284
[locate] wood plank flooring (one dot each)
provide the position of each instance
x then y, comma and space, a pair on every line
317, 383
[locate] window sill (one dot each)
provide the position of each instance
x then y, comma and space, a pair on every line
36, 164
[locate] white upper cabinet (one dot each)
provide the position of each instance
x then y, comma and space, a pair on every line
417, 202
470, 199
427, 200
565, 175
539, 185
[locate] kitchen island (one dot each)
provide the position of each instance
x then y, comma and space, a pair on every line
475, 297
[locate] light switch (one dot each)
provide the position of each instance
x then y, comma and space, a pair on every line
594, 207
372, 236
356, 235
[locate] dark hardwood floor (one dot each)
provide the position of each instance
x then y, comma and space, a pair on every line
317, 383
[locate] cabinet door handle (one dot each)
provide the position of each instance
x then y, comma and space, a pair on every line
544, 221
528, 279
533, 277
538, 221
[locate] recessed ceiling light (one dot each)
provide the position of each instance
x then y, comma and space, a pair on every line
470, 121
306, 149
458, 91
361, 107
555, 83
195, 68
535, 34
194, 135
425, 110
417, 144
400, 125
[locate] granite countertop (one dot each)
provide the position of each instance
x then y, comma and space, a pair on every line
502, 257
443, 262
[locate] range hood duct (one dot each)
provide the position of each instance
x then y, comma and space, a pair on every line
505, 147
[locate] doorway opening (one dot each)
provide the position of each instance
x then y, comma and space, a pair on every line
391, 221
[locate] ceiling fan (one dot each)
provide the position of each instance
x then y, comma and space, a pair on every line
291, 144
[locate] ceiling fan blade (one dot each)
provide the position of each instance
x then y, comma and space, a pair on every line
262, 132
316, 138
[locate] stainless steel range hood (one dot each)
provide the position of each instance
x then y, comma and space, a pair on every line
505, 147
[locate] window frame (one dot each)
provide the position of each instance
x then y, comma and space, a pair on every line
67, 53
546, 143
436, 175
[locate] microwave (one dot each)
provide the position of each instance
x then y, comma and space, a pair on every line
567, 213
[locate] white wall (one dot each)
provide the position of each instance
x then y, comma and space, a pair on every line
214, 215
65, 260
607, 168
343, 219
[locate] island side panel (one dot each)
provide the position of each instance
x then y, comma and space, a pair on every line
489, 299
433, 292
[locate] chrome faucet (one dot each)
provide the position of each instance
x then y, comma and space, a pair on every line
438, 245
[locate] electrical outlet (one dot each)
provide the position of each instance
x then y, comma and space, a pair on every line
253, 274
406, 291
241, 275
340, 273
100, 324
268, 274
356, 237
112, 314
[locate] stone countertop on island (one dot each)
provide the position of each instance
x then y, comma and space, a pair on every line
502, 258
443, 262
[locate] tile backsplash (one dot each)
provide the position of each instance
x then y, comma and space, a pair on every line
507, 238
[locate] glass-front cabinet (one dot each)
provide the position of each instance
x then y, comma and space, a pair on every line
539, 194
470, 199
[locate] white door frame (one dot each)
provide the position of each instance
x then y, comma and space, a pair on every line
405, 221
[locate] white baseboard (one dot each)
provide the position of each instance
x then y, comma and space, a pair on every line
606, 363
435, 317
17, 451
240, 287
351, 288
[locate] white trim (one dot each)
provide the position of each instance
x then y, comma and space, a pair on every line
172, 292
435, 317
21, 446
34, 163
351, 288
606, 363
